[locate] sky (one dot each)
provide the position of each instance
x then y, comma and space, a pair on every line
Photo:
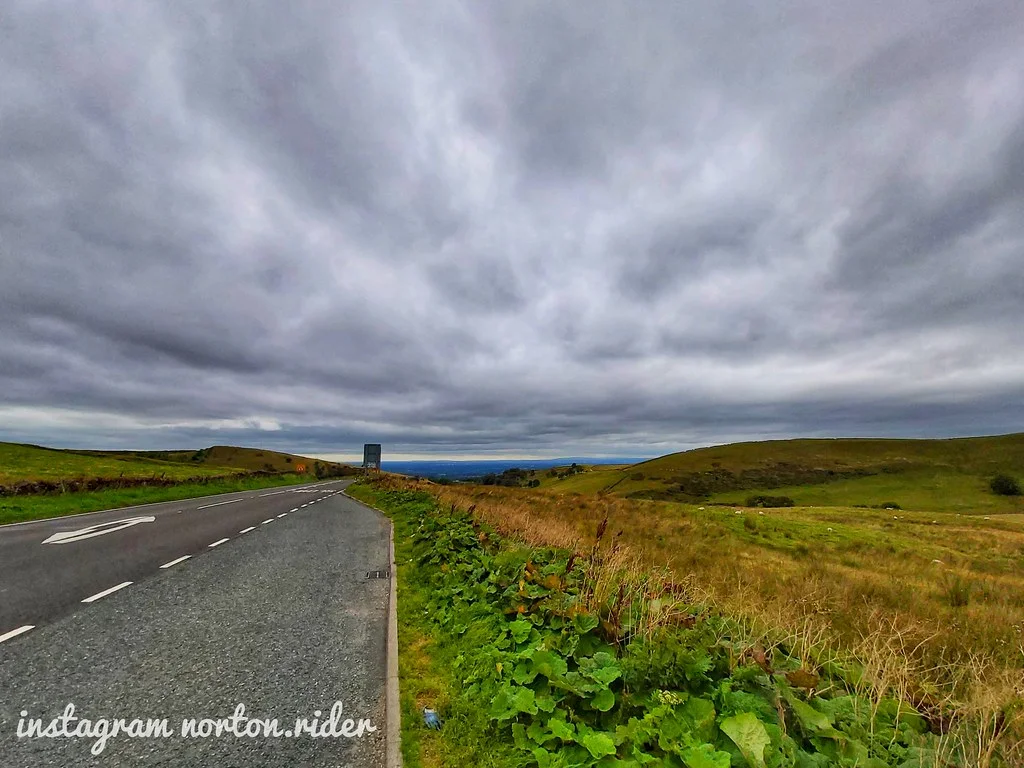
509, 229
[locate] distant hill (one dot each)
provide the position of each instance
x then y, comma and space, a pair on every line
32, 463
251, 459
949, 474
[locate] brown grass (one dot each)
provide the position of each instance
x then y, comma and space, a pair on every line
824, 583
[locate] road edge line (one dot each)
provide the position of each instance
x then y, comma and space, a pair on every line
392, 703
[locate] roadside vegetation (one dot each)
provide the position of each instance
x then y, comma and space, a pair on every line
38, 482
695, 639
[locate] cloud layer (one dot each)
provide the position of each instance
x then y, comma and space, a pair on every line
546, 228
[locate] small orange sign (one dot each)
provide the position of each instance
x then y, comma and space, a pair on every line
300, 467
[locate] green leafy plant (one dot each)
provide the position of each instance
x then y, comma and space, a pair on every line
566, 679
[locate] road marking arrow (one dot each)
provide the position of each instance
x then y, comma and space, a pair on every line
66, 537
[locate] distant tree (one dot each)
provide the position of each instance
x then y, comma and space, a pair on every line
1004, 485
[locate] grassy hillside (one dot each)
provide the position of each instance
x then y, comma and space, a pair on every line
250, 459
941, 475
30, 463
38, 482
21, 463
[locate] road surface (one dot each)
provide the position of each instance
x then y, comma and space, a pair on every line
264, 602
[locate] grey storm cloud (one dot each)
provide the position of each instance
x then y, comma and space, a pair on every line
546, 228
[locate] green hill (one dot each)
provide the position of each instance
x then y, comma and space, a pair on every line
247, 459
948, 475
33, 463
20, 463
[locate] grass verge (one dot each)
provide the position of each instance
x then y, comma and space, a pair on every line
426, 659
16, 509
549, 657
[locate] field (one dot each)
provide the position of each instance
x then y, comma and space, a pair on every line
928, 475
928, 598
38, 482
28, 463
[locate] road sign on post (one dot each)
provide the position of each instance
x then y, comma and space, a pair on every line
371, 456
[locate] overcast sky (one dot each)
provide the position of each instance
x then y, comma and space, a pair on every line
536, 228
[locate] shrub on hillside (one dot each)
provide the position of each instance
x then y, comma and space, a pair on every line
637, 477
1004, 485
769, 501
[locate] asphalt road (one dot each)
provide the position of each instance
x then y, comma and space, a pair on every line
281, 619
40, 582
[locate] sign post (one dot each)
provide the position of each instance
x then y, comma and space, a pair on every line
371, 456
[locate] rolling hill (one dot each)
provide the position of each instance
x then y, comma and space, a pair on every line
948, 474
20, 463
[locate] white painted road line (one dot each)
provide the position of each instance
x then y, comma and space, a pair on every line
219, 504
246, 530
16, 632
175, 562
66, 537
294, 510
267, 521
106, 592
282, 514
304, 505
218, 543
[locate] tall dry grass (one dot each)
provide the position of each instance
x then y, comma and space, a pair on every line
963, 666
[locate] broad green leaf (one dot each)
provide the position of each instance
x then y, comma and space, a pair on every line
524, 700
601, 667
520, 630
811, 720
519, 736
747, 733
584, 622
700, 715
598, 744
603, 701
704, 756
545, 702
560, 729
538, 733
549, 664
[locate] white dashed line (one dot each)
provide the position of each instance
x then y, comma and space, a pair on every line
246, 530
304, 505
218, 543
106, 592
294, 510
219, 504
267, 521
282, 514
16, 632
175, 562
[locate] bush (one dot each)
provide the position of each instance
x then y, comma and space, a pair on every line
769, 501
637, 477
1004, 485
